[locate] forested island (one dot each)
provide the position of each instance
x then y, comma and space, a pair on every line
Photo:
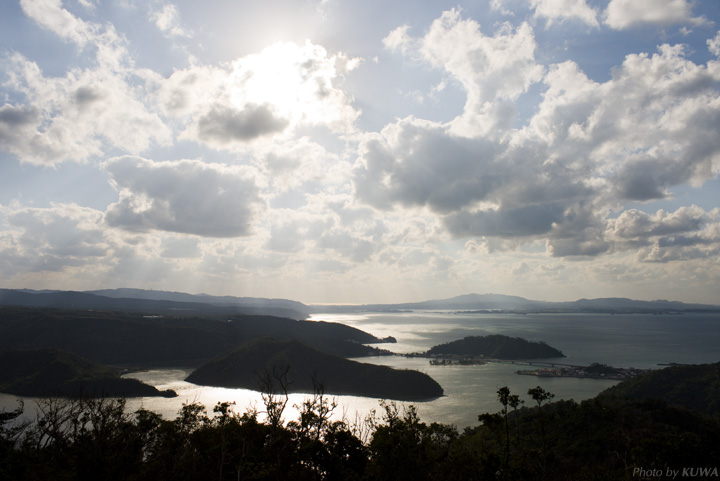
290, 366
494, 346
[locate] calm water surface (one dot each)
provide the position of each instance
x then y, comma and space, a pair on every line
636, 340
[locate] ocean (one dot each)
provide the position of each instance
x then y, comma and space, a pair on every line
621, 340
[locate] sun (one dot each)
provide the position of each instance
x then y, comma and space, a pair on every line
295, 81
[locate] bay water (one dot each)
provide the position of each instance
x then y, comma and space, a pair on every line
621, 340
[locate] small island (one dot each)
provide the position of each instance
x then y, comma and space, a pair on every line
54, 372
494, 346
290, 366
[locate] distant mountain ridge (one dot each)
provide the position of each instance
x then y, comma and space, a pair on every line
500, 302
153, 301
200, 298
129, 299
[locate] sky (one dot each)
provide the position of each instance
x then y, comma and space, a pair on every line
330, 151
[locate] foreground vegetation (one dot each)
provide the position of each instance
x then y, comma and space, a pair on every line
603, 438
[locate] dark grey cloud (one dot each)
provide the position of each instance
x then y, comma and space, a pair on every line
225, 125
684, 241
186, 196
13, 121
649, 179
530, 220
421, 165
86, 95
581, 233
527, 196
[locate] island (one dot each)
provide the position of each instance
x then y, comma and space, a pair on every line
54, 372
493, 346
283, 366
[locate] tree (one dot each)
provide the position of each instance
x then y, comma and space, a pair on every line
504, 398
540, 395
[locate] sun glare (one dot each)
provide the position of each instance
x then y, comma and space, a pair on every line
294, 81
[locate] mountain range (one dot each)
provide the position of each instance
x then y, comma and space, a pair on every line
499, 302
160, 302
178, 303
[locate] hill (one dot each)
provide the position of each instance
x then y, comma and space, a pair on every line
248, 305
247, 367
138, 339
53, 372
694, 387
495, 346
158, 302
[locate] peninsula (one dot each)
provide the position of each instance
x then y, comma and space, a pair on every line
291, 366
54, 372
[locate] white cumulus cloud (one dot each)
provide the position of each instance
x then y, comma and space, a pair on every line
621, 14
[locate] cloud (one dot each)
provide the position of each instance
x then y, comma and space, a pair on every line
354, 248
224, 125
417, 163
286, 236
269, 94
50, 15
565, 10
301, 166
622, 14
493, 70
179, 247
714, 45
185, 196
17, 127
167, 19
530, 220
687, 233
589, 148
643, 131
476, 186
399, 39
50, 239
81, 114
635, 224
76, 117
